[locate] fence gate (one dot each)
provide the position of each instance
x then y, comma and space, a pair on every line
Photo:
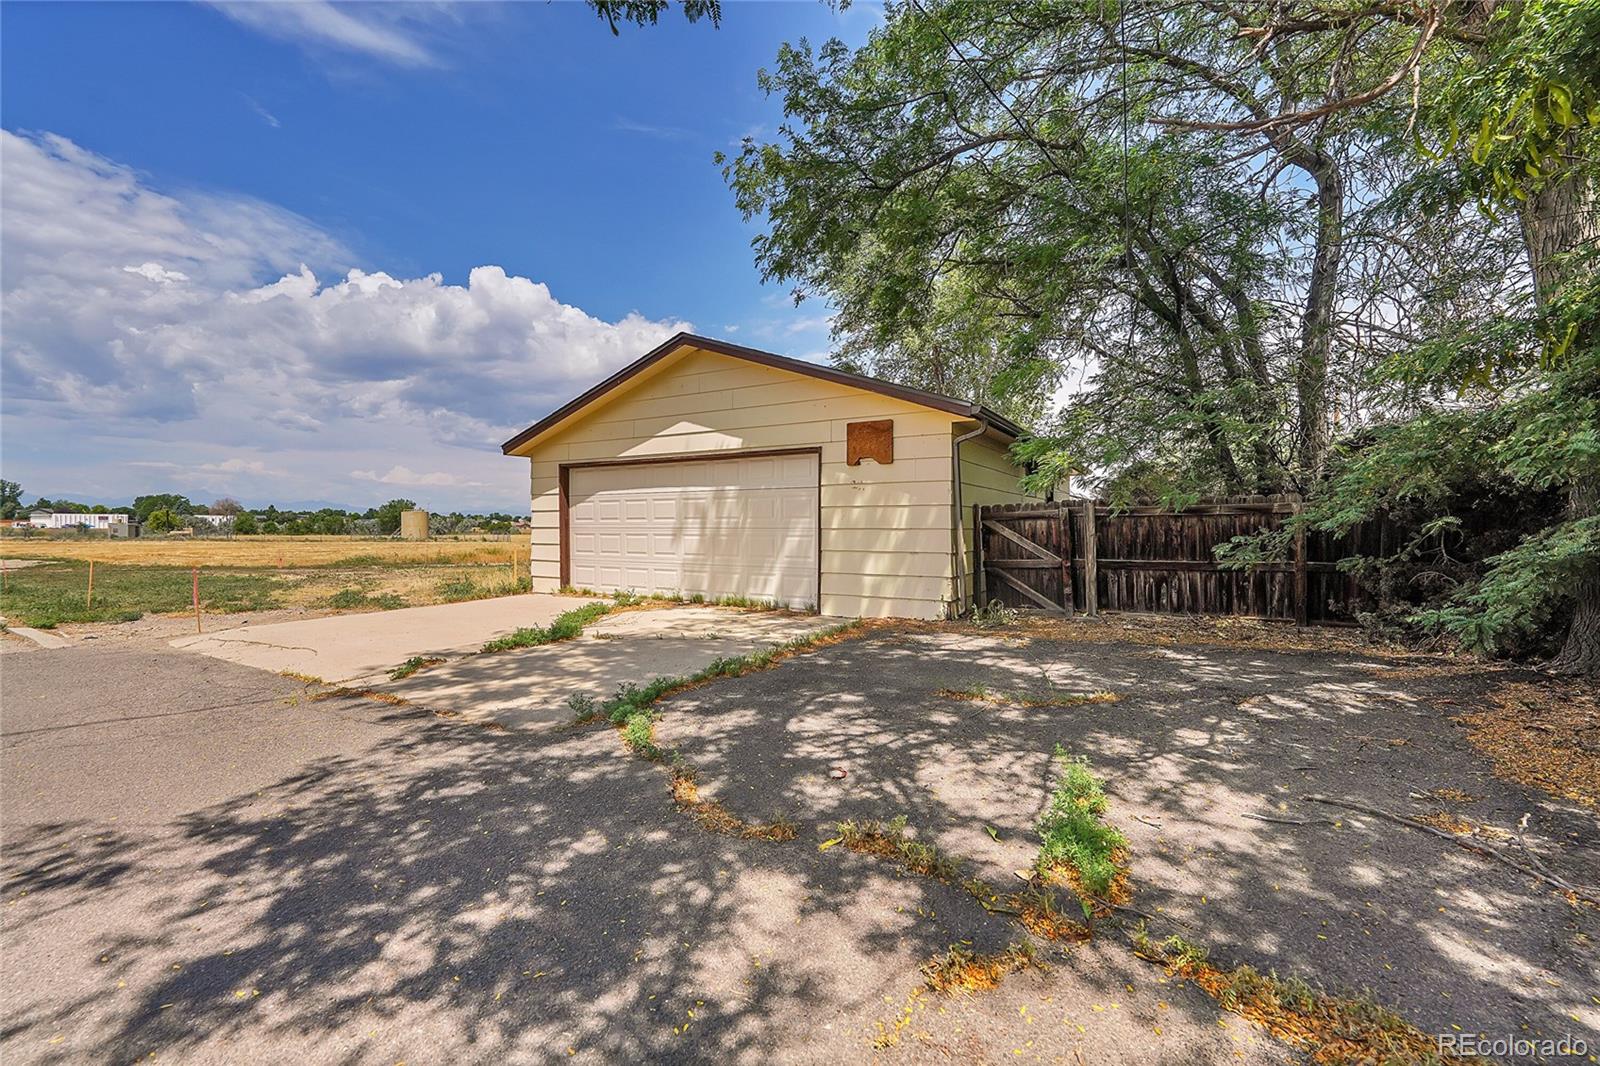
1025, 556
1084, 555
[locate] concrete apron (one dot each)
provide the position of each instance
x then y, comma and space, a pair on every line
350, 647
529, 688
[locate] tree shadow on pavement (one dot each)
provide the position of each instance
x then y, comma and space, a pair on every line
1206, 756
456, 893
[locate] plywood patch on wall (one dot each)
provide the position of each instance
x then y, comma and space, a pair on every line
869, 440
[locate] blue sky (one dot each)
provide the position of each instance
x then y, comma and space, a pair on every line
170, 167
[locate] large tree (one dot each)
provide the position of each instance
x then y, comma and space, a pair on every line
1244, 232
1122, 191
1514, 98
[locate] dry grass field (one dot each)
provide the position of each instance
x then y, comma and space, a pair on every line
152, 575
280, 552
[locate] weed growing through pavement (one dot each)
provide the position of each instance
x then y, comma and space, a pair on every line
889, 840
412, 665
628, 598
1334, 1029
714, 817
1074, 835
1053, 698
962, 970
564, 626
1038, 909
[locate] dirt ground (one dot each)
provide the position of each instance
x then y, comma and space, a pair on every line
1208, 755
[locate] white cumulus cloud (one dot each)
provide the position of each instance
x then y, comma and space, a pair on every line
142, 325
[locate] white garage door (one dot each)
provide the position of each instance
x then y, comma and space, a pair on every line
722, 527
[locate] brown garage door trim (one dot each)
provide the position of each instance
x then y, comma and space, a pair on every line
564, 482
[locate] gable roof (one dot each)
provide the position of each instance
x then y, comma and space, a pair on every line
950, 405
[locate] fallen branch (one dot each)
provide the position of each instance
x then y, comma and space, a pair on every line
1588, 895
1288, 821
1147, 914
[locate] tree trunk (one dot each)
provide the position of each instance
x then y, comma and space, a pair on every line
1316, 324
1561, 219
1580, 652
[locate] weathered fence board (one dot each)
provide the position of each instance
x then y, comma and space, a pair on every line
1154, 559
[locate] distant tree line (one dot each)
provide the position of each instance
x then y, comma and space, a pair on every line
163, 512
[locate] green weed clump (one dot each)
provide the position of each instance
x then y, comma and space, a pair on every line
412, 665
888, 840
564, 626
1072, 830
457, 589
353, 598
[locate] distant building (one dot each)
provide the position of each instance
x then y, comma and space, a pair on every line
215, 521
72, 520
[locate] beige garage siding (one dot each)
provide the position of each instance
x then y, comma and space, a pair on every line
885, 530
988, 476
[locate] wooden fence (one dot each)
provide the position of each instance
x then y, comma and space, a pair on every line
1085, 556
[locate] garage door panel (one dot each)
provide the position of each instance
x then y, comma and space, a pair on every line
714, 527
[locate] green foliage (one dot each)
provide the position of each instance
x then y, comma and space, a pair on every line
1493, 563
465, 587
10, 498
584, 706
145, 506
44, 596
162, 521
355, 599
1072, 831
244, 524
388, 515
1521, 590
1532, 105
995, 198
1000, 197
412, 665
891, 840
994, 615
564, 626
648, 12
633, 699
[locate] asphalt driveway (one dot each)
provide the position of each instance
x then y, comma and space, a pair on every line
1207, 753
204, 862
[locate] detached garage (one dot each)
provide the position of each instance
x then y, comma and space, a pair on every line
712, 469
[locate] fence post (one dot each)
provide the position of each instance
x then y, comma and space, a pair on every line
1091, 562
1064, 541
980, 581
196, 599
88, 600
1302, 609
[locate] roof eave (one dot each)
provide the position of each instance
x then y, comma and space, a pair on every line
920, 397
